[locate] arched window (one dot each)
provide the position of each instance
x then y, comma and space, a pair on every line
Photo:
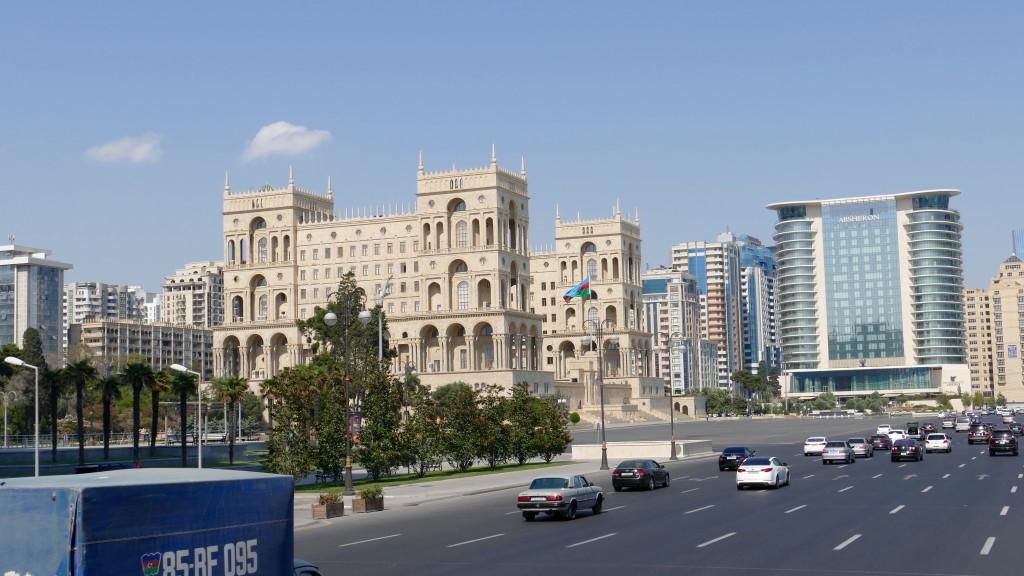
461, 267
261, 251
263, 307
459, 206
242, 249
460, 234
593, 317
592, 268
231, 252
463, 295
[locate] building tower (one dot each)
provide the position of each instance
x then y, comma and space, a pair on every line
194, 296
31, 293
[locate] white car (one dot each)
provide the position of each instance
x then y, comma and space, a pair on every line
762, 471
814, 445
963, 424
883, 429
938, 442
896, 434
949, 422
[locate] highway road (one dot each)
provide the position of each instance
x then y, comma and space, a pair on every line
951, 514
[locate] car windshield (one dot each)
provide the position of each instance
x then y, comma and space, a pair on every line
816, 439
734, 450
757, 461
630, 464
836, 444
856, 441
547, 483
936, 436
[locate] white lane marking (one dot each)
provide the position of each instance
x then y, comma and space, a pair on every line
615, 508
946, 476
709, 542
896, 509
926, 489
845, 489
876, 476
699, 509
1013, 490
477, 540
808, 476
1019, 476
849, 541
988, 545
591, 540
690, 490
513, 512
903, 466
1004, 510
370, 540
973, 458
795, 509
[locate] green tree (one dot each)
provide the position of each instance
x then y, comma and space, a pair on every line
138, 374
494, 427
230, 390
184, 384
825, 401
159, 384
80, 374
1000, 399
551, 437
978, 399
422, 433
380, 447
525, 414
292, 393
54, 382
460, 424
109, 388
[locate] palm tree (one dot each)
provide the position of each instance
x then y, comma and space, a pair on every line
110, 390
184, 384
54, 381
138, 374
161, 383
80, 373
230, 390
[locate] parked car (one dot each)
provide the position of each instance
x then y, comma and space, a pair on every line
646, 474
563, 495
837, 450
762, 471
1002, 440
881, 441
861, 447
733, 456
978, 433
938, 442
907, 448
814, 445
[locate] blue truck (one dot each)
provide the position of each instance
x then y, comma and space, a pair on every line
148, 522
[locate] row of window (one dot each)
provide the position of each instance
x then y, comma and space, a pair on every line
364, 250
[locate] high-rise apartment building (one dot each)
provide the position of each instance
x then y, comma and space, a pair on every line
31, 287
996, 333
85, 301
459, 284
194, 296
673, 311
978, 315
870, 294
111, 342
757, 304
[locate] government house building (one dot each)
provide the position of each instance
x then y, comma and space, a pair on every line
464, 297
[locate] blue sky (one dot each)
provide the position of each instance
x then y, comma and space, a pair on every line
119, 119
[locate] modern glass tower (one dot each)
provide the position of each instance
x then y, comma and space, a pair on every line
31, 296
870, 294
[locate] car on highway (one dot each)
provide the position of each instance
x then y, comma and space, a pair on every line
562, 495
303, 568
979, 433
928, 428
646, 474
1007, 418
733, 456
914, 430
1017, 428
814, 445
963, 424
883, 428
762, 471
938, 442
897, 434
837, 450
1002, 440
861, 447
906, 449
881, 441
949, 422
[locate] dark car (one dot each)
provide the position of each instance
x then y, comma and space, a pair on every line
1017, 428
907, 448
1002, 440
978, 433
881, 441
733, 456
646, 474
928, 428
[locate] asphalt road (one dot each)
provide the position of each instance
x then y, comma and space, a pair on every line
951, 514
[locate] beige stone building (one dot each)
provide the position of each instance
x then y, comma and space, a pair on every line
464, 298
194, 295
1002, 338
111, 341
978, 316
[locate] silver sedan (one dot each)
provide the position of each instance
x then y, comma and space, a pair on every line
837, 450
861, 447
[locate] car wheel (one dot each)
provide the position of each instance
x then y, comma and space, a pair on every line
721, 468
778, 482
571, 512
667, 481
739, 486
786, 483
1014, 452
529, 516
991, 453
650, 484
617, 488
597, 507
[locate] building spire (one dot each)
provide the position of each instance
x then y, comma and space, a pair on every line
330, 193
558, 215
637, 214
522, 162
227, 182
618, 212
291, 178
494, 157
421, 163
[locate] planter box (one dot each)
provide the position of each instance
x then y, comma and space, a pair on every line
325, 511
367, 504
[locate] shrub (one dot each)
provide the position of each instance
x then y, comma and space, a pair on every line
574, 417
330, 498
372, 491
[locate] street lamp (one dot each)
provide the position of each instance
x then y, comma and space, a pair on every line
365, 316
19, 362
8, 398
593, 325
199, 409
676, 343
331, 319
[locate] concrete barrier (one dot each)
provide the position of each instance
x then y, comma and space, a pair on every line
654, 449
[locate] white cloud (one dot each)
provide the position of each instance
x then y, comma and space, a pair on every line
284, 139
145, 148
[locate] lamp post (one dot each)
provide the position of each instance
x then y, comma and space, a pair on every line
331, 319
8, 398
19, 362
597, 328
365, 315
676, 343
199, 410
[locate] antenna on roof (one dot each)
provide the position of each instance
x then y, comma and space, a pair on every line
10, 238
